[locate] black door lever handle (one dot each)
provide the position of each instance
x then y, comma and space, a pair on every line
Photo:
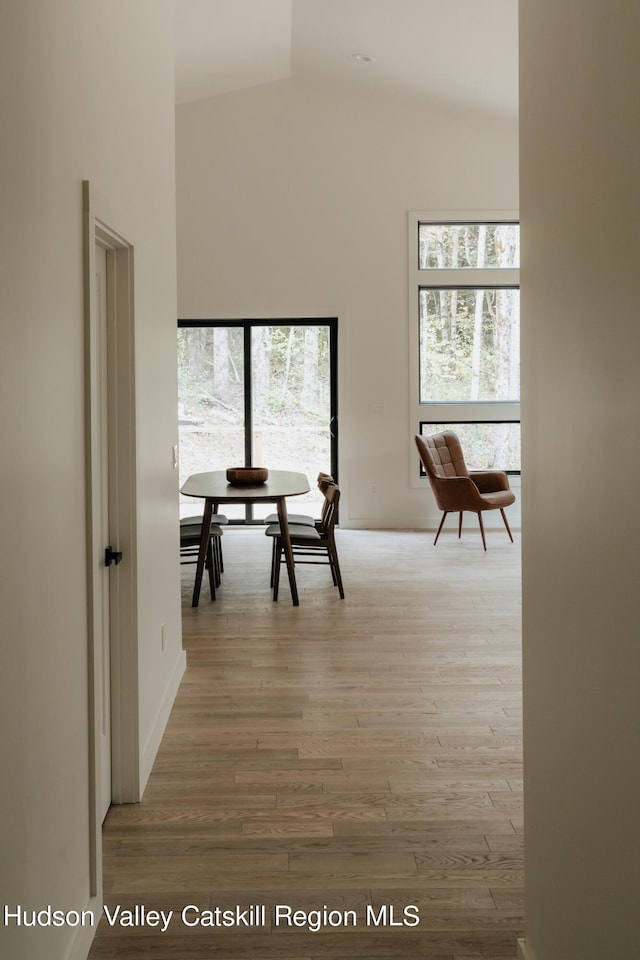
112, 556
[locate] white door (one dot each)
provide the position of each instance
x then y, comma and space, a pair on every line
114, 761
102, 620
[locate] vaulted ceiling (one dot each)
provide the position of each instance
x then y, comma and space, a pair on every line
452, 50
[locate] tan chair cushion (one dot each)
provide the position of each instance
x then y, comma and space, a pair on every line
295, 530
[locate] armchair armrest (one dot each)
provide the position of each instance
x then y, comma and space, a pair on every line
490, 481
456, 493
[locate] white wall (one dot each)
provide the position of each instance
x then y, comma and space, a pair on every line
87, 93
293, 202
580, 210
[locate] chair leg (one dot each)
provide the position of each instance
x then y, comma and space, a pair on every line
211, 568
460, 525
217, 548
484, 542
214, 560
335, 569
506, 523
276, 570
273, 562
334, 576
444, 515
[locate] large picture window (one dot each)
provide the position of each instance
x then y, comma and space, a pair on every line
258, 393
465, 312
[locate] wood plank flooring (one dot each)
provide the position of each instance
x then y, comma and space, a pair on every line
358, 758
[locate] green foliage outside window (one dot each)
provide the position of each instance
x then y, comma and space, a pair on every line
459, 246
469, 344
469, 335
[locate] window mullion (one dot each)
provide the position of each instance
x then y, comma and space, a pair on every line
469, 277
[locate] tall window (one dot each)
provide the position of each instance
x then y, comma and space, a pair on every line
465, 305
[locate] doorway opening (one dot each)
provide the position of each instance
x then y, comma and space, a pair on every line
112, 643
258, 393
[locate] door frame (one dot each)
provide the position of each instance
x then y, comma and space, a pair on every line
246, 325
120, 372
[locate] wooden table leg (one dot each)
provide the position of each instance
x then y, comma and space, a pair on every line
202, 553
288, 550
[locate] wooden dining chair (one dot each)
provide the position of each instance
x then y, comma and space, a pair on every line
190, 535
308, 521
324, 480
217, 519
311, 544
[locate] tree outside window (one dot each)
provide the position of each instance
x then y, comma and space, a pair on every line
468, 356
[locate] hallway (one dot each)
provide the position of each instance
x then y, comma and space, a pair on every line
359, 758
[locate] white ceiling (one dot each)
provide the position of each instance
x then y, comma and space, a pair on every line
452, 50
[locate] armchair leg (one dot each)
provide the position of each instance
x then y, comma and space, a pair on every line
460, 525
484, 542
506, 523
444, 515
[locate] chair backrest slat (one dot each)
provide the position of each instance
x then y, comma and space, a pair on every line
329, 509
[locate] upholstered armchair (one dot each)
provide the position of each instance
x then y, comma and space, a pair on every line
457, 489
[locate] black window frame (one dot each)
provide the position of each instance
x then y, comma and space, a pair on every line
247, 325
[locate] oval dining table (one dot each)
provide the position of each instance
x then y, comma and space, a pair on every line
214, 488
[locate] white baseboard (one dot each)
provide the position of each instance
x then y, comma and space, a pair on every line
83, 936
429, 526
524, 952
155, 737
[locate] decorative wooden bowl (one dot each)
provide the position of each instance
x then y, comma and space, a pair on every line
247, 476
